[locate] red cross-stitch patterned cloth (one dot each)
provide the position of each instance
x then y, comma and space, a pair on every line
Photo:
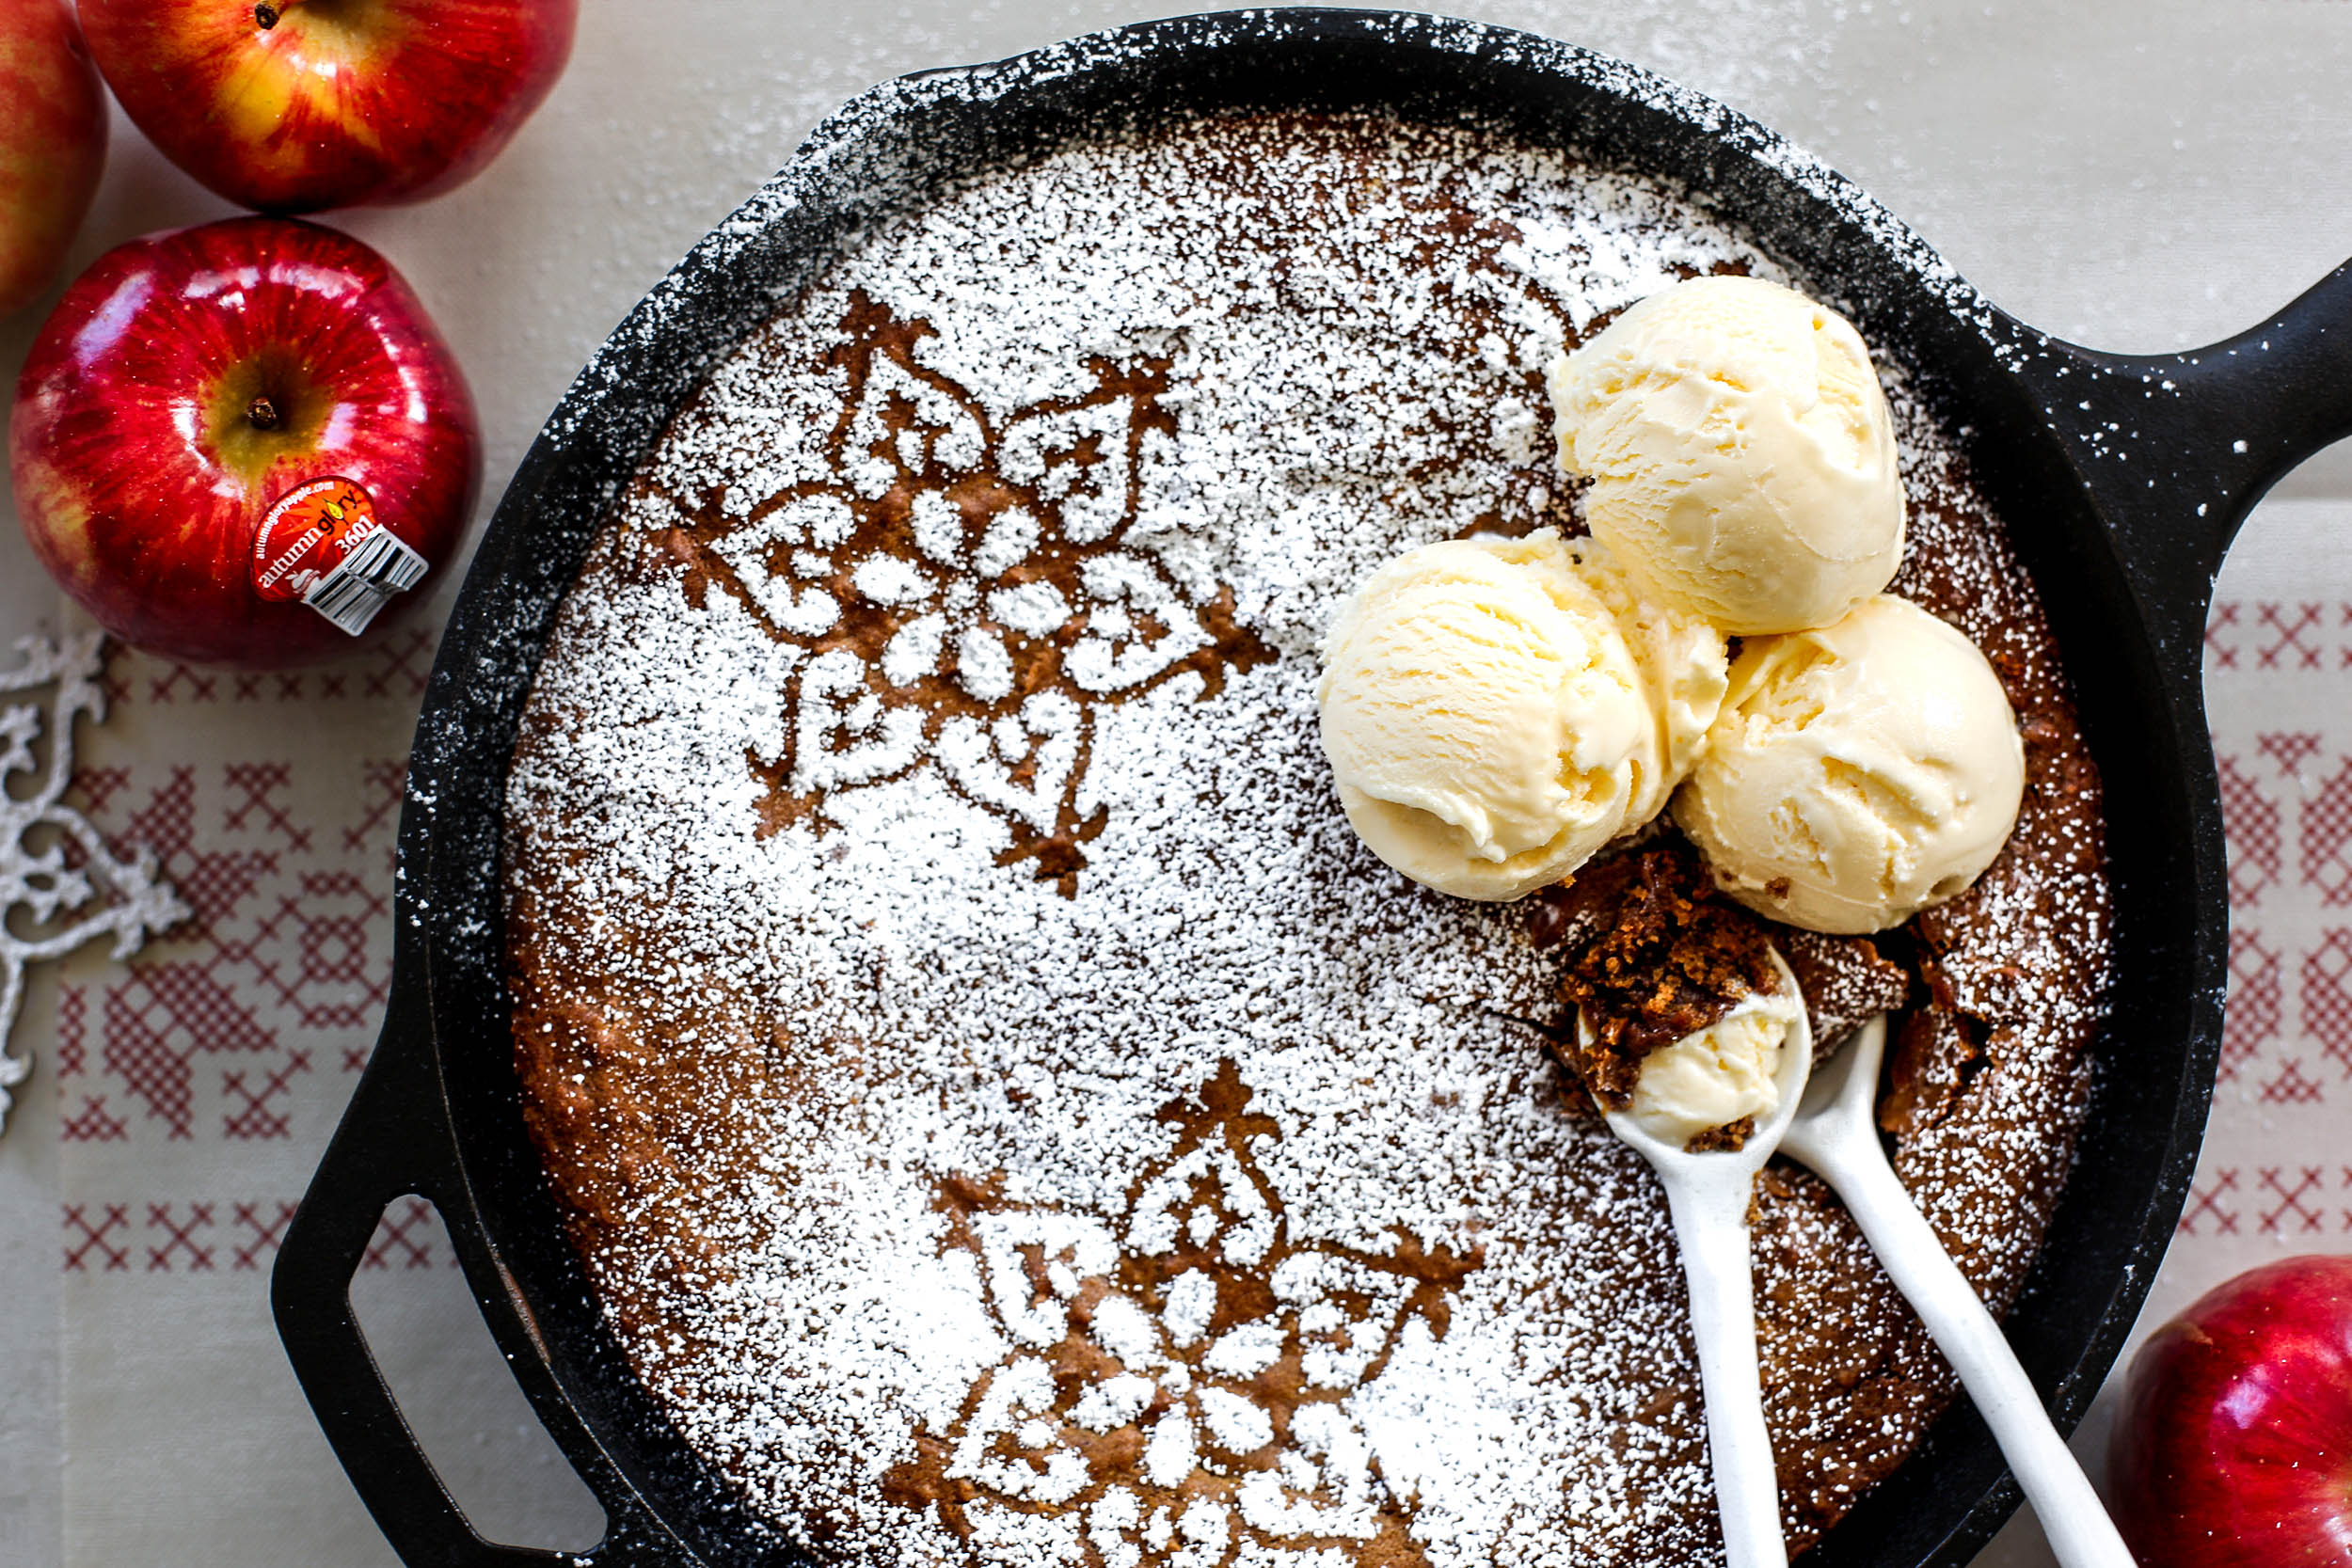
194, 1088
2277, 1171
239, 1034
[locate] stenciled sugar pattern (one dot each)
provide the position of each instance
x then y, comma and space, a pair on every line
1173, 1318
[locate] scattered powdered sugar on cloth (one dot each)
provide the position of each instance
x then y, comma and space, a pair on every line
1006, 1112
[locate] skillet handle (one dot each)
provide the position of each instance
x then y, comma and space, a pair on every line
395, 1139
2178, 448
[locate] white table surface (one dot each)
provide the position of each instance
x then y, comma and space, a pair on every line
2133, 174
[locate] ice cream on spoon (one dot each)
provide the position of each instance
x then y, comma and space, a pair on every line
1707, 1195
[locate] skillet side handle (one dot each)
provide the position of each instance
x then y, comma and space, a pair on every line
2270, 397
394, 1140
2177, 448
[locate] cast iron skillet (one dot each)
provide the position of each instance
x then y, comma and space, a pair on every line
2122, 479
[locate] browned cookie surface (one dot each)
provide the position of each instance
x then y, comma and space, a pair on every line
1650, 953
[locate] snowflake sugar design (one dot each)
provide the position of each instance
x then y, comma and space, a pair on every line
964, 593
60, 883
1177, 1385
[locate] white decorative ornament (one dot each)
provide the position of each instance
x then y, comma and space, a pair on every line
68, 884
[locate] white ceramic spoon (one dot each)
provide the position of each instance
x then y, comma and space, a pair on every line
1836, 1134
1707, 1195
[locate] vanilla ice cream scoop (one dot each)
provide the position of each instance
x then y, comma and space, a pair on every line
1684, 670
1857, 773
1488, 725
1740, 454
1724, 1073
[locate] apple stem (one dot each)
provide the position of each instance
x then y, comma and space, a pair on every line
261, 414
265, 15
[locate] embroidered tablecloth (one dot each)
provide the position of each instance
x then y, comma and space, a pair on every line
2108, 172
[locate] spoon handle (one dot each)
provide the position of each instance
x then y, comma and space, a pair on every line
1709, 1205
2079, 1532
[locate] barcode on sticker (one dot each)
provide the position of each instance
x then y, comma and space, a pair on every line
377, 567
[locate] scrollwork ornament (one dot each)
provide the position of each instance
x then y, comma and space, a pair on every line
61, 884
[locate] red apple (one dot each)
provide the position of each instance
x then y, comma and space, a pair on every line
52, 143
292, 105
188, 384
2234, 1445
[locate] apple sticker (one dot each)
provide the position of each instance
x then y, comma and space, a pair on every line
321, 543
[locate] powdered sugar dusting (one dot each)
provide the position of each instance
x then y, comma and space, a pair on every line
1008, 1112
